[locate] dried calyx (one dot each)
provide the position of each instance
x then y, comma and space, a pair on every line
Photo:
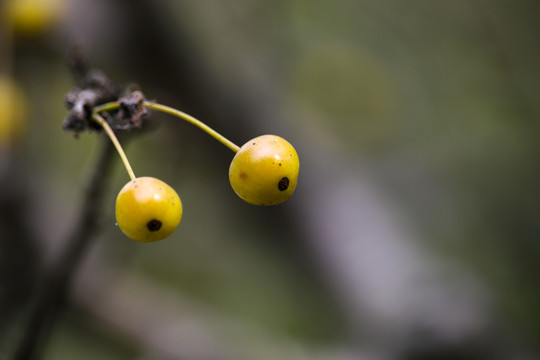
95, 88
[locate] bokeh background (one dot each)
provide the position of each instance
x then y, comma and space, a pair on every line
414, 230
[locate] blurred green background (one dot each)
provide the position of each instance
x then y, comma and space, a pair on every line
413, 232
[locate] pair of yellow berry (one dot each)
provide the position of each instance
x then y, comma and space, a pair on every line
264, 171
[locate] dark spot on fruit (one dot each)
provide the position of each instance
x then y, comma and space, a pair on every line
243, 176
154, 225
283, 184
279, 164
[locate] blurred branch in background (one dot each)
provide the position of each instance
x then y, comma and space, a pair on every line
19, 249
55, 279
166, 325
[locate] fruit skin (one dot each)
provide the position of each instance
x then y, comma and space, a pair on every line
265, 170
147, 209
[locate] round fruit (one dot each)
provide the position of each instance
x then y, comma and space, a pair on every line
13, 107
147, 209
265, 170
33, 17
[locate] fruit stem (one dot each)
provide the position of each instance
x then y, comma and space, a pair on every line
194, 121
113, 105
177, 113
101, 121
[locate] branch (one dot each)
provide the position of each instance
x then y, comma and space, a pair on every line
54, 287
166, 325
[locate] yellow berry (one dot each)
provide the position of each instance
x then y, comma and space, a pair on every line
147, 209
32, 17
265, 170
12, 111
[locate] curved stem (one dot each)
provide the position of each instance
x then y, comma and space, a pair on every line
194, 121
113, 105
172, 111
99, 119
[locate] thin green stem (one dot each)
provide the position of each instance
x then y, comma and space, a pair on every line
172, 111
194, 121
99, 119
113, 105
